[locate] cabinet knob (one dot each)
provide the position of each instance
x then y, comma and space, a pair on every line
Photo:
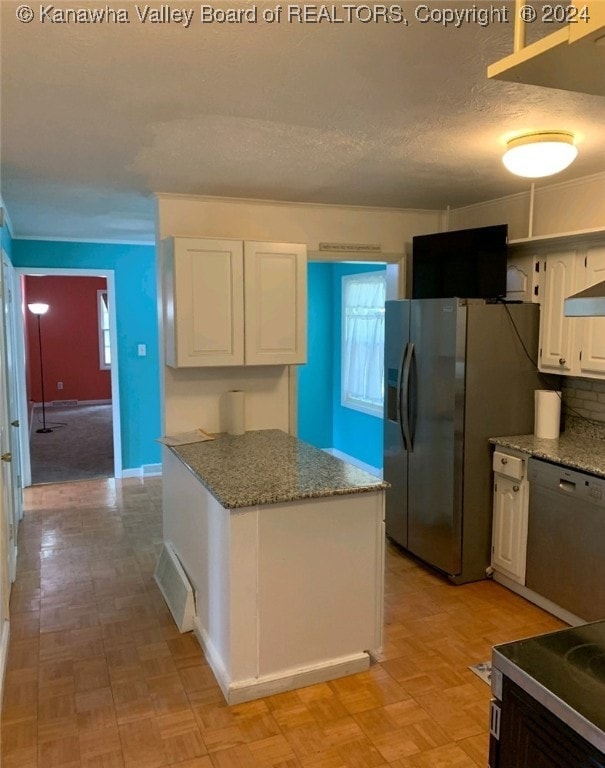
562, 361
515, 488
504, 461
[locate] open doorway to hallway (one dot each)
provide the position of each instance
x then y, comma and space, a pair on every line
69, 377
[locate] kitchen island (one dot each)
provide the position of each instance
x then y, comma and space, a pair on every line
284, 547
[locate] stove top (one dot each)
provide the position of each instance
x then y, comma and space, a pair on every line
565, 671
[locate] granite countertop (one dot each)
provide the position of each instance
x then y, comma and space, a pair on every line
572, 449
270, 466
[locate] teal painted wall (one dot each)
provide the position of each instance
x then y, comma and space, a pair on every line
322, 421
315, 378
134, 268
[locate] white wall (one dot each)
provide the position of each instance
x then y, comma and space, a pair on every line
512, 210
194, 397
558, 208
392, 229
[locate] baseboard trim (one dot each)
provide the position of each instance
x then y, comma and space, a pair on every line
286, 680
147, 470
4, 638
352, 460
536, 599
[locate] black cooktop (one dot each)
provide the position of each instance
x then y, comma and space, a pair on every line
568, 665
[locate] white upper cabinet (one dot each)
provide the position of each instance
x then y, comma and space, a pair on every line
203, 302
573, 346
592, 346
556, 330
227, 302
276, 303
522, 278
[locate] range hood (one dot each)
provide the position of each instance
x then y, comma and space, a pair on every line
587, 303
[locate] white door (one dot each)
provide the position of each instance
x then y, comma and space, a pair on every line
7, 529
9, 422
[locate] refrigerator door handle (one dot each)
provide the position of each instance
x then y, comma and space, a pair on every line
404, 416
400, 392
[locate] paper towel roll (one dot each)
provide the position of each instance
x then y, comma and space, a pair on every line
547, 413
236, 412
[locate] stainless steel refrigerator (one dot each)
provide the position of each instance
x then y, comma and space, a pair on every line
456, 374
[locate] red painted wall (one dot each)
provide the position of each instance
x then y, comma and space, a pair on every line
70, 339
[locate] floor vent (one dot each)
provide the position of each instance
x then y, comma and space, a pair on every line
62, 403
174, 585
483, 670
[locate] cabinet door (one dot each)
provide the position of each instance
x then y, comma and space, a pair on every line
275, 303
522, 278
592, 360
509, 535
532, 737
556, 330
208, 303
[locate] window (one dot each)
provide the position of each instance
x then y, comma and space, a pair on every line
362, 374
104, 345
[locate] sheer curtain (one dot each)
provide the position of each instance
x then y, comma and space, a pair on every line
363, 341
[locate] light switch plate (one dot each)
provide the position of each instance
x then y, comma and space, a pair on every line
142, 350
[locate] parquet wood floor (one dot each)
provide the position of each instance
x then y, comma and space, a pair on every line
99, 677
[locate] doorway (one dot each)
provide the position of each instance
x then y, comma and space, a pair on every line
79, 405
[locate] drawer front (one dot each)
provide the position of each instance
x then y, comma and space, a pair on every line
509, 466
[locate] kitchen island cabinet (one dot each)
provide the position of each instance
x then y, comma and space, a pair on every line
284, 547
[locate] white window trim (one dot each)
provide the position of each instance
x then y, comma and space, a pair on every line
356, 405
103, 365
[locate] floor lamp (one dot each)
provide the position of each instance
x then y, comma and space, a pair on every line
40, 309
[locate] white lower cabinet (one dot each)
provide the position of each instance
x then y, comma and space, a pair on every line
510, 515
228, 302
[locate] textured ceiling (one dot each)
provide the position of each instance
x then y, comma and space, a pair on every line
95, 118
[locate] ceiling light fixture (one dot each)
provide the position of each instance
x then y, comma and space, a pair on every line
541, 153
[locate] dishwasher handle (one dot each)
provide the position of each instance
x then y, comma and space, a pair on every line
567, 485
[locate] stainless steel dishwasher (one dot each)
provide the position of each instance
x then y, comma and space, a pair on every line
566, 538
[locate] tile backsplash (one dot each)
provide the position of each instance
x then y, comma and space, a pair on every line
584, 399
